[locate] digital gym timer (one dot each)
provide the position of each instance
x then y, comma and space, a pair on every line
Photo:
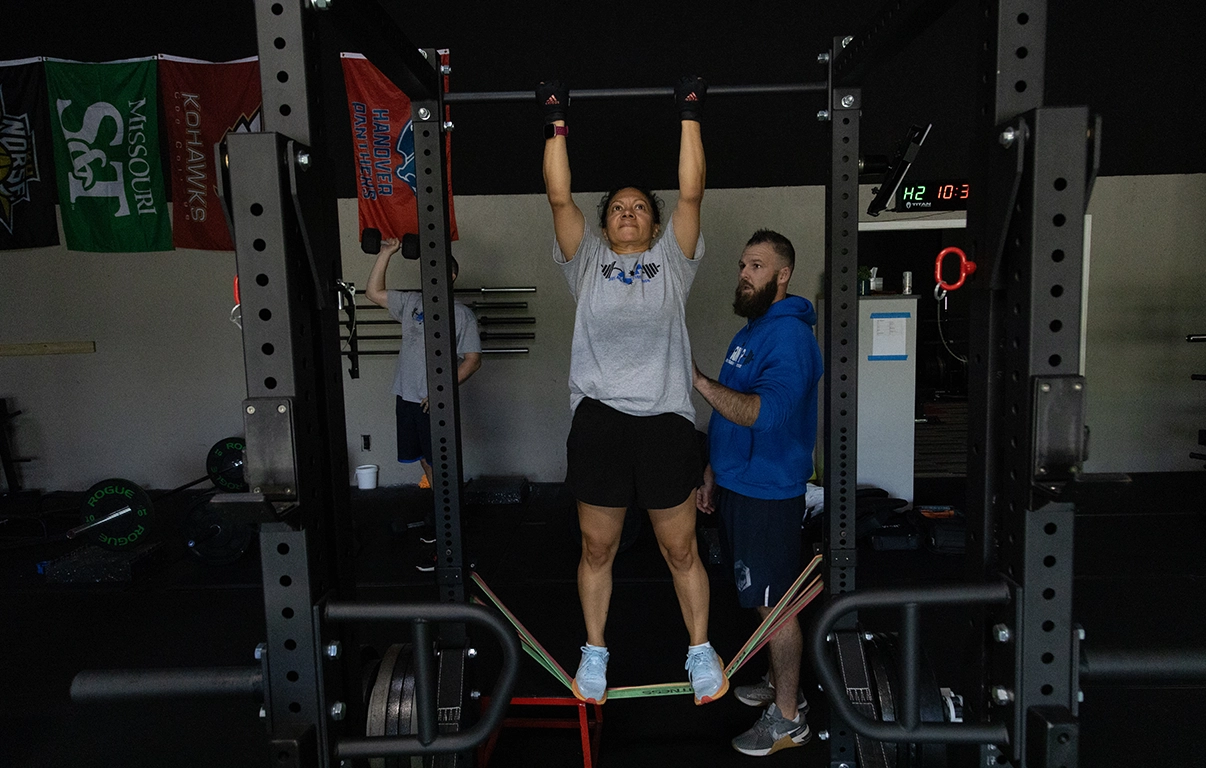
933, 196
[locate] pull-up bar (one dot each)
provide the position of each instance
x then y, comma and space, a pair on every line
636, 93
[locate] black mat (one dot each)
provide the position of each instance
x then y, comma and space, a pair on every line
1140, 582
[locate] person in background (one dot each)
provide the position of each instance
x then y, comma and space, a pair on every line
410, 377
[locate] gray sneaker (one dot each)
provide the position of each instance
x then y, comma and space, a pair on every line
772, 733
762, 693
706, 672
590, 683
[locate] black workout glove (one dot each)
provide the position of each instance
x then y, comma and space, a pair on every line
689, 96
553, 98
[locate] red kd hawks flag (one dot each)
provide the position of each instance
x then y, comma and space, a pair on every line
202, 102
383, 143
104, 121
27, 194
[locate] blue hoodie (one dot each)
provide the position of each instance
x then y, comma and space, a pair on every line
775, 356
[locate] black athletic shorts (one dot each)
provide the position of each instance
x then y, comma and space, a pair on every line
414, 431
763, 538
616, 460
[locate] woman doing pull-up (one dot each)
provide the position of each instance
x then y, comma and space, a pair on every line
633, 438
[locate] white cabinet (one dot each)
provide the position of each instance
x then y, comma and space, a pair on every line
887, 382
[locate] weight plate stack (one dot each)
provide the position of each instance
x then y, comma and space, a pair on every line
883, 659
391, 710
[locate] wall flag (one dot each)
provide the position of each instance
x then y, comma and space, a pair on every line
105, 130
27, 188
384, 150
202, 102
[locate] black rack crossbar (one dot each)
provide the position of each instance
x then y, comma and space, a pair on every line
1175, 666
908, 729
106, 685
471, 97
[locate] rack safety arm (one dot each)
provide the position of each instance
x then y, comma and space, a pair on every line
908, 600
491, 719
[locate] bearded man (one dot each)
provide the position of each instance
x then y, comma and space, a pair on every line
761, 438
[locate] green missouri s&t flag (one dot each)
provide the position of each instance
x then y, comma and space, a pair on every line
105, 130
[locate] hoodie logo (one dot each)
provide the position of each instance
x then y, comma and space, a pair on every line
641, 273
738, 357
416, 314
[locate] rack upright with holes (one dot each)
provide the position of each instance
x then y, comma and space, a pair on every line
1026, 441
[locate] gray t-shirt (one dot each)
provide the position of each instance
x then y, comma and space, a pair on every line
410, 380
630, 348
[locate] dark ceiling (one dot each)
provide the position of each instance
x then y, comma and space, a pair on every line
1130, 63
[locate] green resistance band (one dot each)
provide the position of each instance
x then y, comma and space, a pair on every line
790, 605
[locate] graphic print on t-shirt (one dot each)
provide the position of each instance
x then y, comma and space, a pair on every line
739, 357
416, 314
640, 272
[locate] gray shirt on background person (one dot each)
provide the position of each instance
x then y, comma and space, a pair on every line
410, 378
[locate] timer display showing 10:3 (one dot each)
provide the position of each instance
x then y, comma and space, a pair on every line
933, 196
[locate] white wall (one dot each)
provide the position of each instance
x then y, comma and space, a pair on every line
166, 380
515, 410
1147, 290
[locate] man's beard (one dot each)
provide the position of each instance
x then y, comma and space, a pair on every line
754, 305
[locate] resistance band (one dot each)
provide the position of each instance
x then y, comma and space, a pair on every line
787, 607
534, 648
792, 602
543, 660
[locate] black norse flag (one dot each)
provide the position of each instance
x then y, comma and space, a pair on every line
27, 183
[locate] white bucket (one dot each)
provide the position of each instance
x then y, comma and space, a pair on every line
366, 476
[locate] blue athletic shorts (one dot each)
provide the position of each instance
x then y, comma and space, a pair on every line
763, 538
414, 431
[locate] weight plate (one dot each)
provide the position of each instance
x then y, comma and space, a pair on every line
391, 703
884, 692
224, 465
213, 537
401, 718
883, 653
370, 662
883, 679
378, 699
126, 530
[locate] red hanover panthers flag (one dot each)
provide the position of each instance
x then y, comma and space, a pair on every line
202, 102
383, 144
27, 187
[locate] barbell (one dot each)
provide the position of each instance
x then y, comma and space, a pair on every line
118, 514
